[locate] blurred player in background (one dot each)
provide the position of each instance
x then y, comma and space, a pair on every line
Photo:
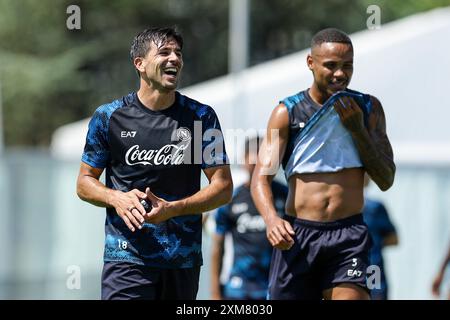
248, 278
383, 234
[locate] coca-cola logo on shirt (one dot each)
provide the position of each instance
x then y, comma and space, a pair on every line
170, 154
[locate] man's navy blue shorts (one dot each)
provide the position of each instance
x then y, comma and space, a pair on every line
324, 255
125, 281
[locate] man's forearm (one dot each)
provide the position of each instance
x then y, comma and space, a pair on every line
378, 165
211, 197
93, 191
263, 197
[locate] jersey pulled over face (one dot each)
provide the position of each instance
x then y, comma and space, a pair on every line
318, 142
166, 151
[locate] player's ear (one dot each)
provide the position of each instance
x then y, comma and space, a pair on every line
139, 64
309, 61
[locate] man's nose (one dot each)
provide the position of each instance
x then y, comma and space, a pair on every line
339, 73
173, 57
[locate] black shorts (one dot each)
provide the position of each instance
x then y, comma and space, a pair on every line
324, 255
125, 281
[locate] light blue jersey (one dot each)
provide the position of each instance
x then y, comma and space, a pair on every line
323, 144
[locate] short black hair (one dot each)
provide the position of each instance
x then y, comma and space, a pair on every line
159, 36
252, 144
330, 35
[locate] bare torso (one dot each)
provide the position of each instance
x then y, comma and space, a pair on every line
326, 196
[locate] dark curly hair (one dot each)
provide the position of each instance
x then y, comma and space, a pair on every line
330, 35
159, 36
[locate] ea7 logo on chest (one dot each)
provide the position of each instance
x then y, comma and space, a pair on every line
127, 134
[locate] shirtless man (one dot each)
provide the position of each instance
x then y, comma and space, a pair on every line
326, 137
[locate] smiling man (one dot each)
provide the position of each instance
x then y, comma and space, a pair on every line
326, 137
147, 142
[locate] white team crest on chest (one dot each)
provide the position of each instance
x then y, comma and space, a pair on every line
183, 134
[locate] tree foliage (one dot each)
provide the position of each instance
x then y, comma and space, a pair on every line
51, 76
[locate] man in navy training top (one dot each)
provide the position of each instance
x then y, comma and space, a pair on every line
152, 144
249, 274
326, 137
383, 234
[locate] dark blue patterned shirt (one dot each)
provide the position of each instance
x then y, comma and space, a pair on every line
166, 151
249, 273
379, 224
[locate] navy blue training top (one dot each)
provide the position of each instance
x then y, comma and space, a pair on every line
249, 273
379, 224
166, 151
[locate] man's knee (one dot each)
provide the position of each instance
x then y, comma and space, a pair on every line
346, 291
